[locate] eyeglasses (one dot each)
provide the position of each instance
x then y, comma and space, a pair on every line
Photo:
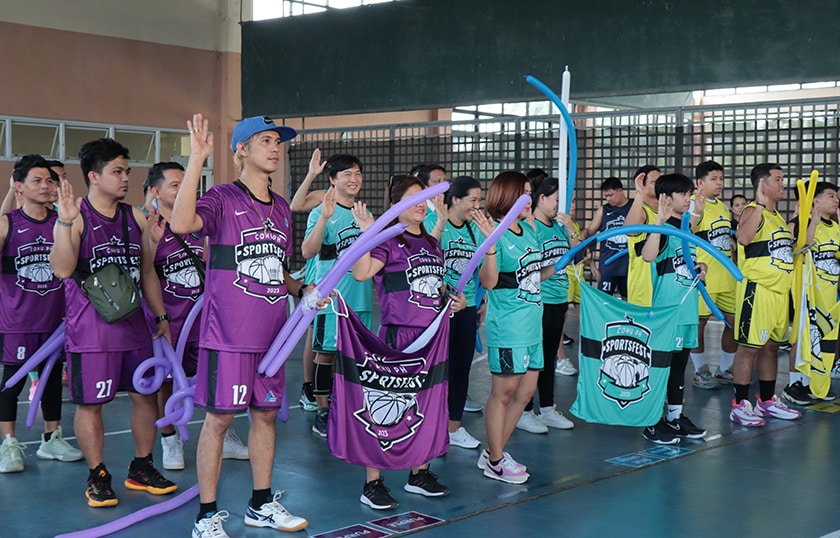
397, 178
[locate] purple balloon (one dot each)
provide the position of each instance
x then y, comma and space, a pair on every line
157, 362
39, 391
136, 517
482, 249
54, 342
186, 328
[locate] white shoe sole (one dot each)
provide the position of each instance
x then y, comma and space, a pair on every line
368, 502
520, 479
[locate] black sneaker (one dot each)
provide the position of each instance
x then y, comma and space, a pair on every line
797, 393
144, 477
683, 427
99, 492
425, 483
660, 434
378, 496
568, 340
319, 425
307, 398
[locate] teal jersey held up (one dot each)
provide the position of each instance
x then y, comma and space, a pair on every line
554, 243
514, 312
459, 244
673, 286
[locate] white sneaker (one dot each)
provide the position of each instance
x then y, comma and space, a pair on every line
471, 406
565, 367
530, 423
57, 448
211, 527
462, 438
11, 455
173, 452
275, 516
233, 448
835, 372
484, 458
553, 418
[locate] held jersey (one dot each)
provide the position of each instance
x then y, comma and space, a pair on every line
554, 243
410, 284
180, 283
514, 311
31, 298
715, 226
768, 259
613, 217
826, 266
672, 280
459, 244
639, 285
102, 243
245, 287
340, 232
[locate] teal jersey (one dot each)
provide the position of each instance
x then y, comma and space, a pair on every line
514, 311
339, 234
672, 282
310, 271
459, 244
431, 218
554, 243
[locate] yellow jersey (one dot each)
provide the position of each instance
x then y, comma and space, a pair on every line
768, 259
639, 275
715, 226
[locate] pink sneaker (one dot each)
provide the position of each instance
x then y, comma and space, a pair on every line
484, 457
775, 408
743, 414
33, 386
506, 471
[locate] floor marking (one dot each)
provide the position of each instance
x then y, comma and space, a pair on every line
353, 531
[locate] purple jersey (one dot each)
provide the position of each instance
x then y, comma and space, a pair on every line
179, 280
102, 243
245, 303
32, 300
410, 283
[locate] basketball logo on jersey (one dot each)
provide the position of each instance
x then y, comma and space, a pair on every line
825, 262
32, 264
259, 262
114, 252
425, 279
456, 256
528, 276
346, 238
618, 242
625, 362
182, 278
719, 234
390, 412
779, 247
553, 250
682, 271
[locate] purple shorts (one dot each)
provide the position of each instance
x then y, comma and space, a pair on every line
228, 382
95, 378
18, 347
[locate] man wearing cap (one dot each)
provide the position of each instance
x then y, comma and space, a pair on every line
246, 288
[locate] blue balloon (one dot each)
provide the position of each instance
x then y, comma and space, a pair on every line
686, 218
616, 256
570, 127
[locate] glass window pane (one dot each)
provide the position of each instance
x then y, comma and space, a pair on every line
174, 146
33, 138
76, 137
3, 139
141, 145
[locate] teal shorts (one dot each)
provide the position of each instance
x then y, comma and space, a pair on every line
324, 339
515, 360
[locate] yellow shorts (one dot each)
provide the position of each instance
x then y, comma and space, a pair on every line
760, 315
725, 300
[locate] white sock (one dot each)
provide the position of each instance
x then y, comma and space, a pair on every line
806, 381
698, 360
546, 410
797, 376
726, 360
674, 412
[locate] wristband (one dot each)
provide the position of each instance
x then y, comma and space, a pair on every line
300, 292
164, 317
698, 215
490, 253
65, 224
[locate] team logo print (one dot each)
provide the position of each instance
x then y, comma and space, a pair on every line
720, 235
528, 276
681, 268
619, 242
819, 325
825, 262
346, 238
182, 279
390, 412
456, 256
425, 279
259, 262
114, 252
553, 250
32, 265
781, 253
625, 362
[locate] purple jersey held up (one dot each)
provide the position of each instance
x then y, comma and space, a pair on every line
31, 298
180, 282
411, 282
245, 301
102, 243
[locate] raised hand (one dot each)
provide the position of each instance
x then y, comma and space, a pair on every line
641, 189
760, 195
201, 139
665, 206
485, 225
363, 217
157, 225
68, 206
328, 205
699, 204
316, 165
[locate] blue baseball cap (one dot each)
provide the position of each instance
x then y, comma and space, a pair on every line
248, 127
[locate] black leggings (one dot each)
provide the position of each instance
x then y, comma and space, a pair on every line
554, 317
676, 377
50, 401
462, 329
